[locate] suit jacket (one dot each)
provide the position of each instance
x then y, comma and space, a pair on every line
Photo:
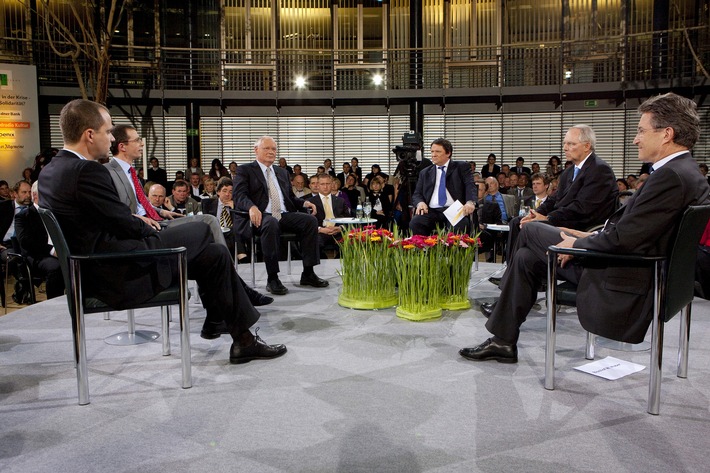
508, 203
31, 234
616, 301
7, 214
485, 173
520, 170
527, 193
159, 176
339, 209
122, 184
459, 183
250, 188
82, 196
587, 201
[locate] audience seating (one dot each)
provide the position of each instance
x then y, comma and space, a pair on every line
673, 289
80, 303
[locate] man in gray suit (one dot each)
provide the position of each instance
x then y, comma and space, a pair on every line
613, 301
127, 148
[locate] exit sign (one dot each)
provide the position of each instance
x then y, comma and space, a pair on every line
590, 103
193, 132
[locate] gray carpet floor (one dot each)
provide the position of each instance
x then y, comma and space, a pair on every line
358, 391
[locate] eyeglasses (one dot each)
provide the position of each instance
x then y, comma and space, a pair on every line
641, 131
134, 140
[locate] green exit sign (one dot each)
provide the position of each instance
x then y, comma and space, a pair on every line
590, 103
193, 132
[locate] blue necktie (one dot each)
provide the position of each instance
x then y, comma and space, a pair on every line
442, 187
576, 171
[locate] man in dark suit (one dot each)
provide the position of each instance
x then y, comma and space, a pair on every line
520, 167
521, 192
196, 187
157, 174
586, 194
36, 247
327, 206
265, 192
82, 196
438, 187
613, 301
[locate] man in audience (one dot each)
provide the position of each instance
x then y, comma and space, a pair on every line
156, 173
82, 196
494, 208
23, 197
156, 197
284, 165
299, 186
540, 186
196, 187
265, 192
37, 247
520, 167
438, 187
181, 200
327, 206
613, 301
343, 175
521, 191
328, 167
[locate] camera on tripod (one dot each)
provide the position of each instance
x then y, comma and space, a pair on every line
409, 154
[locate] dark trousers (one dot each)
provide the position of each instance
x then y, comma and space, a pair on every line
425, 224
526, 272
702, 272
303, 225
210, 264
49, 268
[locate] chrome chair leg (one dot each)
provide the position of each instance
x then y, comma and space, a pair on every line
551, 333
165, 328
589, 350
654, 382
185, 351
683, 342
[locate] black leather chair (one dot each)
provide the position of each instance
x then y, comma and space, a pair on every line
80, 303
673, 289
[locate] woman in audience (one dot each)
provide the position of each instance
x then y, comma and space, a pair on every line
554, 167
209, 190
195, 168
27, 175
381, 204
352, 192
335, 186
218, 170
622, 185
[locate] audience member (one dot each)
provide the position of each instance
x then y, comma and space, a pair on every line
38, 248
209, 189
554, 167
520, 167
540, 188
181, 200
265, 192
380, 203
195, 187
328, 167
195, 168
298, 183
356, 169
328, 206
156, 173
521, 192
341, 176
613, 301
284, 165
491, 168
5, 192
375, 170
438, 187
218, 170
335, 186
622, 185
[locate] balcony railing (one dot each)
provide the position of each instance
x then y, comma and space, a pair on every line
628, 58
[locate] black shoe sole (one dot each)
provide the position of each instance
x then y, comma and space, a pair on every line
247, 359
277, 293
313, 285
210, 336
499, 359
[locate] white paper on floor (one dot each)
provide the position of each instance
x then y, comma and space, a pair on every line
610, 368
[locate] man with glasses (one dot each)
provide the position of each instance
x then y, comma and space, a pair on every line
612, 301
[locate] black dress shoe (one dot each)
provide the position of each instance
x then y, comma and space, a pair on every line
487, 308
212, 330
495, 281
275, 287
256, 298
313, 280
256, 350
492, 350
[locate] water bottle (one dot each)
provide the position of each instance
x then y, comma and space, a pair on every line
367, 208
358, 212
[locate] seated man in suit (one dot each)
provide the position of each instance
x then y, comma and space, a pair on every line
22, 198
438, 187
327, 206
82, 196
613, 301
181, 200
298, 181
520, 167
265, 192
521, 192
493, 208
37, 248
196, 187
220, 208
586, 194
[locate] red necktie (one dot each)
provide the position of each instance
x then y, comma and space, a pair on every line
149, 210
